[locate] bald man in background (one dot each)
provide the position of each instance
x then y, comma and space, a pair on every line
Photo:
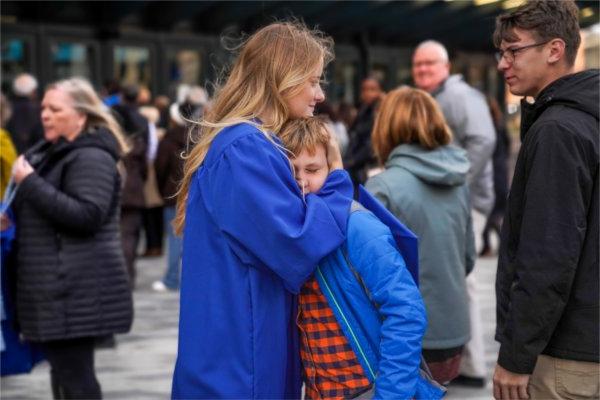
468, 115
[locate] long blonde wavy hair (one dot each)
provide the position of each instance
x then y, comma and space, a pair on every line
271, 67
87, 102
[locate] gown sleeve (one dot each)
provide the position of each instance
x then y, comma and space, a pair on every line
255, 201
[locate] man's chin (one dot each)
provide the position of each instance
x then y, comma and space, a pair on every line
515, 90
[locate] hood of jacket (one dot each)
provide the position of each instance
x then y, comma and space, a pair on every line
101, 138
43, 152
579, 91
445, 165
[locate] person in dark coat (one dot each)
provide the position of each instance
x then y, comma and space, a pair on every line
359, 155
169, 171
24, 125
72, 286
500, 163
135, 126
547, 284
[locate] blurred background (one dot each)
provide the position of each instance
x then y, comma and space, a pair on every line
161, 44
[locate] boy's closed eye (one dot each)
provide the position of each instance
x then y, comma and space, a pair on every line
311, 170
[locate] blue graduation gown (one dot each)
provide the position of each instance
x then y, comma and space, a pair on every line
250, 241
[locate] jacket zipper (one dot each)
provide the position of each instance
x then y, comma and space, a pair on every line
337, 306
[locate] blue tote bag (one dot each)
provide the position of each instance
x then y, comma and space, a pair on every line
17, 356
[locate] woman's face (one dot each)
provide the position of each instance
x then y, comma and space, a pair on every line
303, 103
59, 118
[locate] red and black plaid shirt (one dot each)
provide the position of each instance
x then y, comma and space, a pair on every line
331, 369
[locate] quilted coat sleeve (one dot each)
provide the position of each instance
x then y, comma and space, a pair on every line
372, 250
254, 199
83, 202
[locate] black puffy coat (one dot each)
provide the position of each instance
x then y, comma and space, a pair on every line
547, 283
71, 279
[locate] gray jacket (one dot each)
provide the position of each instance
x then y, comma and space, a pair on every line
426, 190
468, 115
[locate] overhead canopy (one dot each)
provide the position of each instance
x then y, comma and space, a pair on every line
460, 24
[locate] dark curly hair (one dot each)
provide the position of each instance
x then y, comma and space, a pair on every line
547, 20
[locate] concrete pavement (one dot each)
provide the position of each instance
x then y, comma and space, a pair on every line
141, 365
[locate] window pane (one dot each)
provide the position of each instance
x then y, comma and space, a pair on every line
14, 60
71, 59
184, 66
344, 82
132, 65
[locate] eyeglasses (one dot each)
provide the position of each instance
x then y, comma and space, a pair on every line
509, 54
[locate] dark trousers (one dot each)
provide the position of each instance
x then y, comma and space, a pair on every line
153, 228
131, 223
72, 372
444, 364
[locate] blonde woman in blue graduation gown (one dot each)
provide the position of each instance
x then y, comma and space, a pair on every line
250, 237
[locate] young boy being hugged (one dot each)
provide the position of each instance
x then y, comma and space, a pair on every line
361, 316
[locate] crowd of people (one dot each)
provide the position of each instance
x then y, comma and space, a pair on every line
290, 271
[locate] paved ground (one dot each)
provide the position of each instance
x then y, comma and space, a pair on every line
141, 365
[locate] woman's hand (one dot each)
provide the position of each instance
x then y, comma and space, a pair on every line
21, 169
334, 156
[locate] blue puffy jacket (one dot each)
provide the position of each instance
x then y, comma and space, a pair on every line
379, 308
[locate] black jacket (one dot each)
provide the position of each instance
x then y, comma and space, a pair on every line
547, 281
25, 124
71, 277
135, 126
360, 157
169, 164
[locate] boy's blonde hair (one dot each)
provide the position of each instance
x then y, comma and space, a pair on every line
406, 116
270, 69
304, 134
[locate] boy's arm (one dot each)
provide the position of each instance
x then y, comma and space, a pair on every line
373, 252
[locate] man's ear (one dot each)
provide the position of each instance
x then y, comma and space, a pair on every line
557, 51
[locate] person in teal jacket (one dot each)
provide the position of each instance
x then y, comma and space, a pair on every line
424, 185
378, 313
250, 239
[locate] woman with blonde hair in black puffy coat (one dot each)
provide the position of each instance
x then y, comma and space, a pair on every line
71, 282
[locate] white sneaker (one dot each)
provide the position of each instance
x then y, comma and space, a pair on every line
159, 286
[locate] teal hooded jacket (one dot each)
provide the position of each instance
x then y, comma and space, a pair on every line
427, 191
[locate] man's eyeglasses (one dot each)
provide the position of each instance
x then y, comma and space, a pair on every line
509, 54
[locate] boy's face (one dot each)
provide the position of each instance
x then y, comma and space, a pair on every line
311, 170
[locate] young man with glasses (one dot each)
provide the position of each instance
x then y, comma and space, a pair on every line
547, 286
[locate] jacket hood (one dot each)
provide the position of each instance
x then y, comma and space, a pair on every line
579, 91
101, 138
445, 165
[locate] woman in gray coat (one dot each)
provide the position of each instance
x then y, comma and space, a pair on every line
424, 185
71, 282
